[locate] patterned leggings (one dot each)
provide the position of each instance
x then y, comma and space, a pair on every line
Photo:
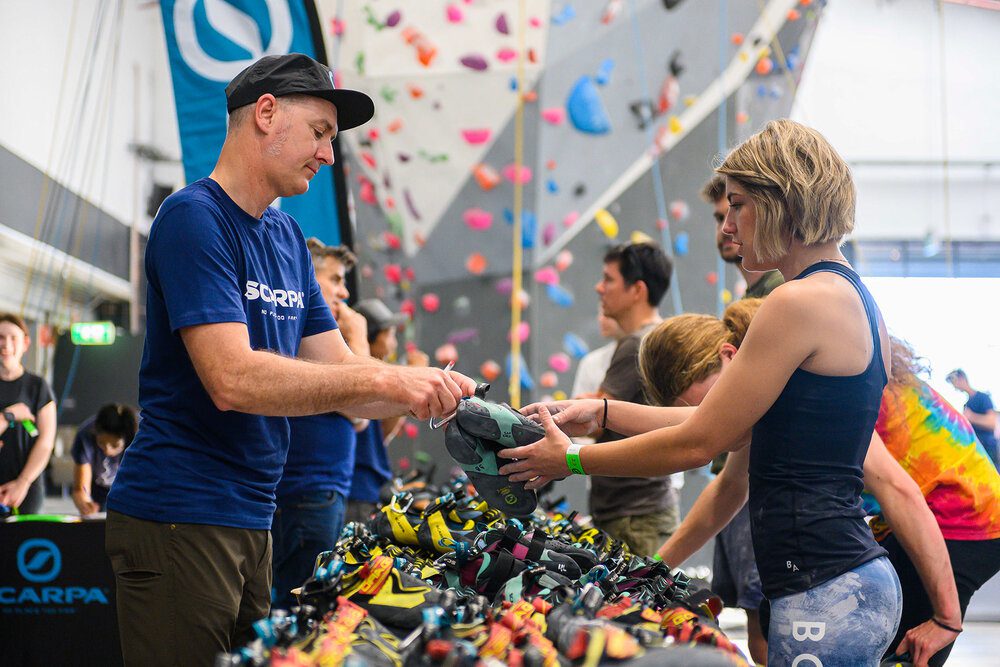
847, 621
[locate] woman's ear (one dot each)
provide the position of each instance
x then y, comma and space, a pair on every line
726, 352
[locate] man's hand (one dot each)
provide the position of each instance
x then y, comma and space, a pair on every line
13, 492
86, 505
925, 640
576, 418
21, 412
415, 357
431, 392
353, 327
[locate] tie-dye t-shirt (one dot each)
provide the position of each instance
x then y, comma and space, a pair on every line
937, 447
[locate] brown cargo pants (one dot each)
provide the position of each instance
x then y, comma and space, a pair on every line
186, 591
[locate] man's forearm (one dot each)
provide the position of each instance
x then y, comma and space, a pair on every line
987, 421
917, 530
272, 385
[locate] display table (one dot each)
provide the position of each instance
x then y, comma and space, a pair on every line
57, 594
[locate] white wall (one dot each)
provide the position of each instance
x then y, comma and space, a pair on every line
872, 85
77, 128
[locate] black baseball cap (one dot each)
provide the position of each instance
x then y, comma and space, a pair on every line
379, 316
298, 74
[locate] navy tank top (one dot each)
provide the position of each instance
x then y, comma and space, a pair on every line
806, 470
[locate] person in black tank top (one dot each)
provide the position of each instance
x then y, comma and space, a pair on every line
792, 202
681, 359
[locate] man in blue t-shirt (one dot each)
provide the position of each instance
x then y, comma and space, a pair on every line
979, 411
97, 452
317, 475
372, 468
238, 338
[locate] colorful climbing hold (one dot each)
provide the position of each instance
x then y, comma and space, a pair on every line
586, 109
607, 223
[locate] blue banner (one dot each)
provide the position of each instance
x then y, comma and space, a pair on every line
211, 41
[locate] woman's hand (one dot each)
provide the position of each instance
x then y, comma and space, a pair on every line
541, 461
576, 418
925, 640
13, 493
21, 412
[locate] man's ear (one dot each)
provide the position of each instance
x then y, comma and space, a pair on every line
264, 111
642, 292
727, 351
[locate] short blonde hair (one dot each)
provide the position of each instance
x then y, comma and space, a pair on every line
684, 349
798, 184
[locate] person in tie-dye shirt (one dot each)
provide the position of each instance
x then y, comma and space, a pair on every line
937, 447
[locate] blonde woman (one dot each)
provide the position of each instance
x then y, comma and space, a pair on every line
806, 385
938, 459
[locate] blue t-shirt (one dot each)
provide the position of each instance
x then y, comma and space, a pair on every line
103, 469
371, 465
981, 403
320, 457
208, 261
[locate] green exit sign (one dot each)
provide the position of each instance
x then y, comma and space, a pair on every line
92, 333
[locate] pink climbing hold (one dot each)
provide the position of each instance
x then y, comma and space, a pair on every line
570, 218
523, 332
563, 260
431, 302
453, 13
367, 193
506, 55
446, 353
408, 308
477, 219
514, 176
559, 362
477, 136
554, 115
393, 273
547, 276
505, 286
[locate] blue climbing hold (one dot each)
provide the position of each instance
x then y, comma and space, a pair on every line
586, 109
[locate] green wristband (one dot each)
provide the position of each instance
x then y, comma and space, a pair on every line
573, 460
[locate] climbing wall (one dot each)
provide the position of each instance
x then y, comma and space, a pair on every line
625, 107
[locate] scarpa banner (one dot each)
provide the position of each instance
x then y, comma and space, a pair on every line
211, 41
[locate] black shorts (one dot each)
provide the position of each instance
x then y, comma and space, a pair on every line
974, 562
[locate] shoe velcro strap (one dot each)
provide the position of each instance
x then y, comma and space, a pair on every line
537, 546
511, 535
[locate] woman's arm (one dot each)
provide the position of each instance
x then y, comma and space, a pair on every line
914, 524
584, 417
82, 477
13, 492
781, 337
718, 503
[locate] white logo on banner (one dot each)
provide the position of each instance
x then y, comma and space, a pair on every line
236, 26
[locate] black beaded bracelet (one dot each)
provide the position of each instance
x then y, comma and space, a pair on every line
604, 423
946, 627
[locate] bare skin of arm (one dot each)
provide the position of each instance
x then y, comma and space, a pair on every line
777, 343
13, 492
328, 377
715, 508
988, 420
912, 521
583, 417
83, 476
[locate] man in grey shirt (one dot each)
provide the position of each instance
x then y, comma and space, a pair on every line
642, 512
